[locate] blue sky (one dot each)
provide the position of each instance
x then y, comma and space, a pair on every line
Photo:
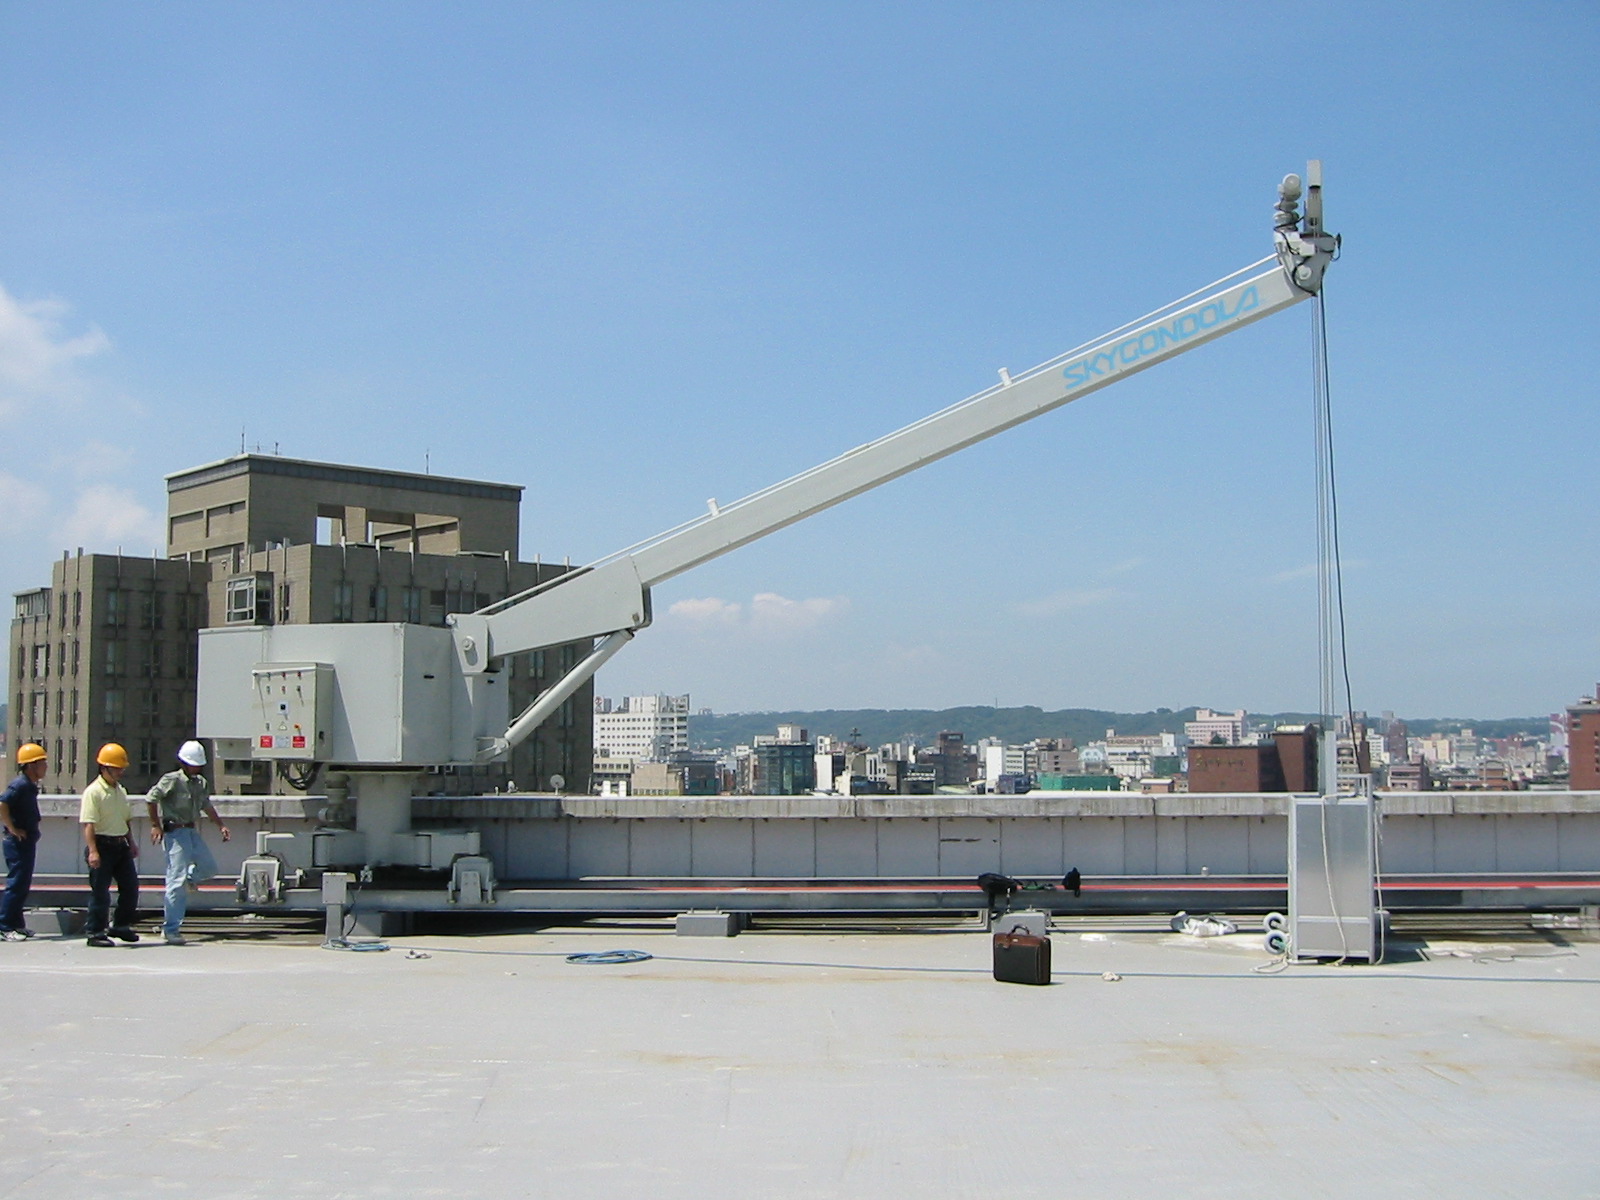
633, 256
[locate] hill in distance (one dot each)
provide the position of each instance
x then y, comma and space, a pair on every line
875, 726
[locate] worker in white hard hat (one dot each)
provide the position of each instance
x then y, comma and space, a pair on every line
177, 802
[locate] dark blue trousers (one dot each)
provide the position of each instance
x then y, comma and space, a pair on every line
20, 856
116, 862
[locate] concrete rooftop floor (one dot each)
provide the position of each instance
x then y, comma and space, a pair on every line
779, 1064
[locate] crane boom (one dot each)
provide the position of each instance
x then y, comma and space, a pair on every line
450, 704
610, 599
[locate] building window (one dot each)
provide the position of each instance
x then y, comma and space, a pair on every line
34, 604
378, 602
284, 597
152, 616
77, 609
71, 763
344, 601
147, 756
41, 661
411, 605
113, 706
249, 600
61, 710
152, 662
116, 657
61, 613
61, 658
150, 708
75, 663
74, 719
116, 607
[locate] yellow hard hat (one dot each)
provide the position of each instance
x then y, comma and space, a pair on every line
30, 752
112, 755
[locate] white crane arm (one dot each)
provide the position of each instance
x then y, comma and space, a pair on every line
613, 595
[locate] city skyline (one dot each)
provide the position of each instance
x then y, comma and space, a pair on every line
636, 263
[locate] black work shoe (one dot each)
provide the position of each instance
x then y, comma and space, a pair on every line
100, 939
125, 935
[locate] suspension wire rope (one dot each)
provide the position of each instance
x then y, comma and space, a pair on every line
1333, 659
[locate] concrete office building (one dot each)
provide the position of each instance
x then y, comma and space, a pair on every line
644, 728
1209, 726
108, 652
226, 510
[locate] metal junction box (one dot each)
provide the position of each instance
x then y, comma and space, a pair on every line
292, 703
361, 694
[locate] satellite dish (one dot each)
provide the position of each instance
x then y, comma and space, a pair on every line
557, 782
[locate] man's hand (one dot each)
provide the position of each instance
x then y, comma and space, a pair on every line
94, 859
155, 835
224, 830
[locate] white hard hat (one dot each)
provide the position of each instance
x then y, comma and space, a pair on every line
192, 753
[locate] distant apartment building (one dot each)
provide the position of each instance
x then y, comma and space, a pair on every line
1583, 744
1055, 755
258, 539
785, 765
1214, 728
1408, 776
646, 728
1134, 756
952, 764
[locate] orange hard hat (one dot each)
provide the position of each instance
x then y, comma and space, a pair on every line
30, 752
112, 755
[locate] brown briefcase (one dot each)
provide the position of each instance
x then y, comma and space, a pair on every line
1021, 958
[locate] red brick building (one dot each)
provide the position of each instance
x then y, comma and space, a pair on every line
1286, 764
1583, 745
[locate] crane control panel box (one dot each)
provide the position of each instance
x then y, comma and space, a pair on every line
292, 705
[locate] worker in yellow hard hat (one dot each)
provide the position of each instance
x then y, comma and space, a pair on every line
19, 816
110, 849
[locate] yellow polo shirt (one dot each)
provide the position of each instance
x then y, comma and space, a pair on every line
106, 806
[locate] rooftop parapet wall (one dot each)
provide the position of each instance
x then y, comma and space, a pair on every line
531, 807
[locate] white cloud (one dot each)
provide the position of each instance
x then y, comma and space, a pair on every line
1057, 603
768, 614
107, 516
707, 612
61, 488
778, 614
22, 502
38, 357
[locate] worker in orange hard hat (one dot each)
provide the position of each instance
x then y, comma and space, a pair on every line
110, 849
19, 816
